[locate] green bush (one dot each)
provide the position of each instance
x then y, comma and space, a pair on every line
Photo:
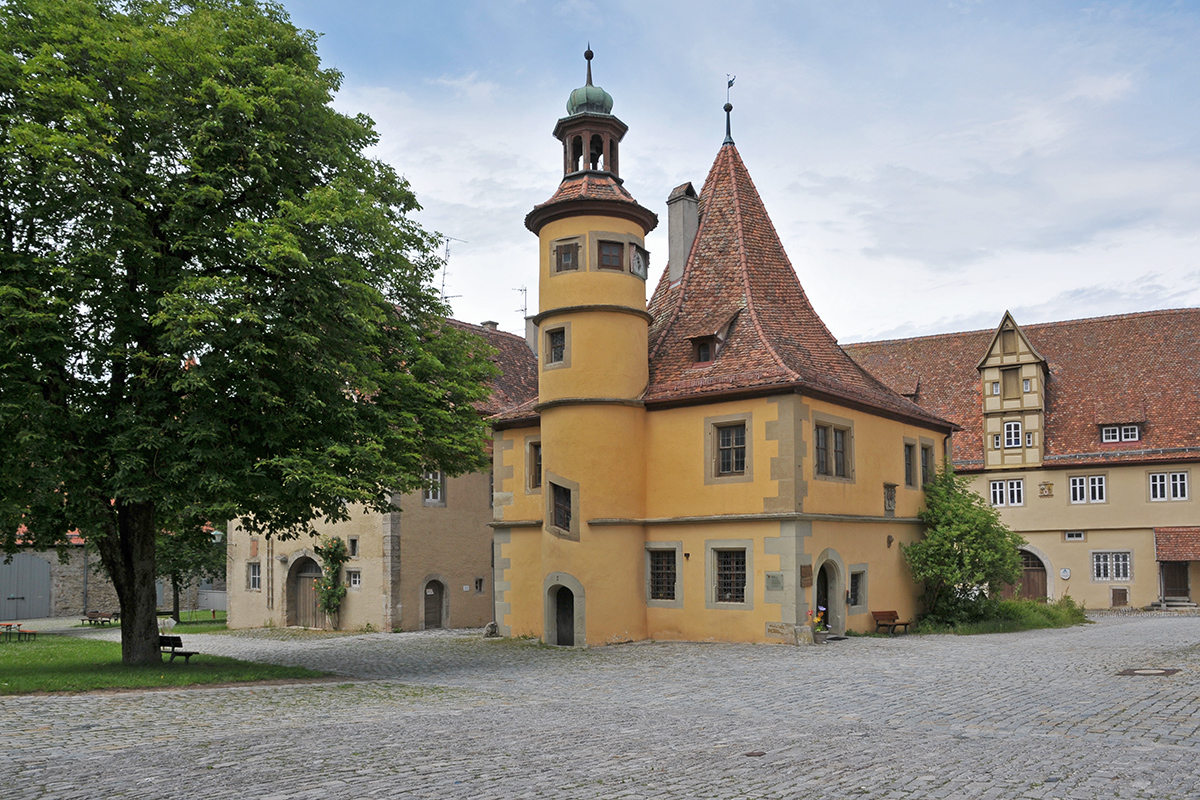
1007, 616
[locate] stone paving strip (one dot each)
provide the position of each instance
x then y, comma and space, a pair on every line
445, 714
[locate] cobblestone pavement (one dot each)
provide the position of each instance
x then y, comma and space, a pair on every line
1041, 714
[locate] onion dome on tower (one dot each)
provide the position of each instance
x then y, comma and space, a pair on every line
591, 173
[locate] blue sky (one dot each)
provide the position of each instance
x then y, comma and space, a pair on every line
926, 164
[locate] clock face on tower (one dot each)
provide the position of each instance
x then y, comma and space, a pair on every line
639, 262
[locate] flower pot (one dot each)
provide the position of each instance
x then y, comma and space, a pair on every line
819, 637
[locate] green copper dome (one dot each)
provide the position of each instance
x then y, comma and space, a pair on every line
589, 99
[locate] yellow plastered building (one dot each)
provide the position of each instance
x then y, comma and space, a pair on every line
705, 465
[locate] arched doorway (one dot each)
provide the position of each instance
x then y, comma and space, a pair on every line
830, 595
564, 617
302, 594
1033, 580
435, 595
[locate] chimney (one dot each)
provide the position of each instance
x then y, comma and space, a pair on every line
490, 324
683, 218
531, 335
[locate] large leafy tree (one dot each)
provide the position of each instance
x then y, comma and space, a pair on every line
212, 303
184, 559
967, 553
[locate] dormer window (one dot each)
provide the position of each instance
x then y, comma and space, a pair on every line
705, 350
1120, 433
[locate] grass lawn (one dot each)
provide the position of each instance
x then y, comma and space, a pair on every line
53, 663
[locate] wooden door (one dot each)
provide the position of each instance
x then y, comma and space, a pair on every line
433, 604
24, 587
308, 614
1033, 580
564, 617
1175, 580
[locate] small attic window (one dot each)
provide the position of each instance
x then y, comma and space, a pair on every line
704, 350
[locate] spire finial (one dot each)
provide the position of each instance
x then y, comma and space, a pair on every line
588, 55
728, 108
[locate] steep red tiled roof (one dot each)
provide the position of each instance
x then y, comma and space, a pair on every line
586, 190
1177, 544
517, 382
738, 269
1106, 370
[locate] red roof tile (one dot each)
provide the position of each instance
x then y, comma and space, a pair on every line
738, 269
1106, 370
517, 381
583, 191
1177, 544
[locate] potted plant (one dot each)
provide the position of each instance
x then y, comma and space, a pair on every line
820, 629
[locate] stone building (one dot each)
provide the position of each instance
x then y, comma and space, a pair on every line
425, 565
708, 465
1085, 435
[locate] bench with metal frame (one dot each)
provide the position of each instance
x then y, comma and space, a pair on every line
889, 621
173, 646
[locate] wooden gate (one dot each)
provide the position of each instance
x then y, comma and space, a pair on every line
1175, 580
24, 588
434, 594
304, 597
1033, 580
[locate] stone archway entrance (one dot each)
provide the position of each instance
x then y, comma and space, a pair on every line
302, 607
564, 616
830, 594
435, 595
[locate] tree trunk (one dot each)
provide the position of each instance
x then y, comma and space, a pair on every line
127, 551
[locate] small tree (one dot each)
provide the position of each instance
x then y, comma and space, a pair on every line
330, 589
967, 552
185, 558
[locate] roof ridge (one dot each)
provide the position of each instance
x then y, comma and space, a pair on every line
744, 267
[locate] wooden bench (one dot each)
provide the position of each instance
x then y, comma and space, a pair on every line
889, 621
173, 645
97, 618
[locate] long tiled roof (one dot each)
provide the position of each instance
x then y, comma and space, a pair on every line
1177, 544
517, 382
1106, 370
738, 271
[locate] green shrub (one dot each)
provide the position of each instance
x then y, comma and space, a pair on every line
1007, 616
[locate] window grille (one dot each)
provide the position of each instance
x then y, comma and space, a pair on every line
731, 575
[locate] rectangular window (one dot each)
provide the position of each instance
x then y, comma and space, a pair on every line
1011, 380
1112, 566
704, 350
1016, 492
731, 576
821, 449
1179, 486
562, 507
1025, 385
996, 442
1096, 489
354, 578
1074, 536
839, 453
479, 586
997, 488
556, 346
910, 468
566, 257
1169, 486
254, 577
1129, 433
611, 255
731, 449
1028, 439
435, 490
927, 465
1078, 490
996, 388
1012, 434
662, 574
352, 546
535, 465
1110, 433
855, 593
